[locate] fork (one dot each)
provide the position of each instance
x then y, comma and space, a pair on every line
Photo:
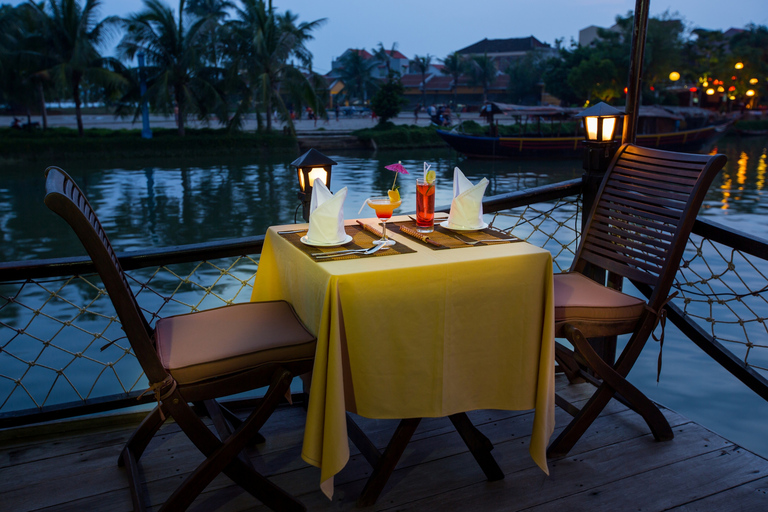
490, 240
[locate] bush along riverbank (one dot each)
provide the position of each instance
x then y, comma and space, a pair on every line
392, 136
65, 144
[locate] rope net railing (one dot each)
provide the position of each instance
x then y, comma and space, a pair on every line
725, 291
61, 340
554, 226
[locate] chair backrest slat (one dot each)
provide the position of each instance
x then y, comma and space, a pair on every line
644, 213
65, 198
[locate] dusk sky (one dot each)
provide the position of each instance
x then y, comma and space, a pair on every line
439, 27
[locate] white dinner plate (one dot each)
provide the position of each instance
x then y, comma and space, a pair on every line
445, 225
307, 241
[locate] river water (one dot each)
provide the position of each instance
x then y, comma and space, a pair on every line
163, 203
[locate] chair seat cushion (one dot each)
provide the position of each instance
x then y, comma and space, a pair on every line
231, 339
595, 309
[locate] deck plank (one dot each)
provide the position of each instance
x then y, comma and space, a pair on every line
746, 497
612, 466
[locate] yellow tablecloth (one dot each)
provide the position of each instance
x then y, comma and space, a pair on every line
426, 334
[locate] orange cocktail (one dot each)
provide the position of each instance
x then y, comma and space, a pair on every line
383, 206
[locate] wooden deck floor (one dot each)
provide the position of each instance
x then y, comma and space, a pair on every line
616, 466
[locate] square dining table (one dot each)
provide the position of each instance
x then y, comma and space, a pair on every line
428, 333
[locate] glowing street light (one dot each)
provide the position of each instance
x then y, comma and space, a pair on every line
739, 65
750, 93
674, 76
710, 91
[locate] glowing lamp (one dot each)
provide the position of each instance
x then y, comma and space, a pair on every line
600, 122
705, 84
739, 65
721, 89
750, 93
710, 92
311, 166
753, 80
674, 76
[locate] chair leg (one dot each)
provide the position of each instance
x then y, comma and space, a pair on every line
144, 433
567, 361
222, 457
135, 447
613, 381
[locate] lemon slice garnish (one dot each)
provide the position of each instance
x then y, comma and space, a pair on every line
394, 196
431, 176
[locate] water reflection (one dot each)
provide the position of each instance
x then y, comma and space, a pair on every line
736, 198
174, 202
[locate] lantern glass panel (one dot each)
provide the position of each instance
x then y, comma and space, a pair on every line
318, 172
591, 123
609, 125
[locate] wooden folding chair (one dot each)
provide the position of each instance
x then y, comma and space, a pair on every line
195, 359
637, 229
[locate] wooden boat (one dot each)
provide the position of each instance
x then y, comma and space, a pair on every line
658, 129
564, 147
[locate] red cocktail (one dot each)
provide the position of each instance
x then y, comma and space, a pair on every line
425, 206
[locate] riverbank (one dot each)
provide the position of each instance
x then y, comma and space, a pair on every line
110, 138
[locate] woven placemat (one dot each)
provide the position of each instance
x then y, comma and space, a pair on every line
361, 239
442, 238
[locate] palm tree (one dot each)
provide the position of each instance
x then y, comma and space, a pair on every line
421, 64
18, 62
217, 11
385, 56
261, 52
357, 75
73, 35
482, 70
173, 50
455, 66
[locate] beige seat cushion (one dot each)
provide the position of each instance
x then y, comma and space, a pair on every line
216, 342
595, 309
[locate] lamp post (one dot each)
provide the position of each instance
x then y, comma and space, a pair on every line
311, 166
146, 132
600, 122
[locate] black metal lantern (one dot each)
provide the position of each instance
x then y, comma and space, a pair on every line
600, 122
311, 166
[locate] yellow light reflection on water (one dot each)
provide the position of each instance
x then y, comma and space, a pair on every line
726, 188
741, 173
761, 166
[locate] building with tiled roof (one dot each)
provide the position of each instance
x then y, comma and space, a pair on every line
505, 51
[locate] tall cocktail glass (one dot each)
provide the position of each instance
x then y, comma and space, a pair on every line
383, 207
425, 206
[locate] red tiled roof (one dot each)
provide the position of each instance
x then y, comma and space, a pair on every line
412, 80
395, 54
440, 83
363, 53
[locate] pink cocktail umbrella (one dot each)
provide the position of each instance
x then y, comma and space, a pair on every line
398, 168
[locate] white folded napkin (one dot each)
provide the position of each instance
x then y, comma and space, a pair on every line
467, 205
326, 215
